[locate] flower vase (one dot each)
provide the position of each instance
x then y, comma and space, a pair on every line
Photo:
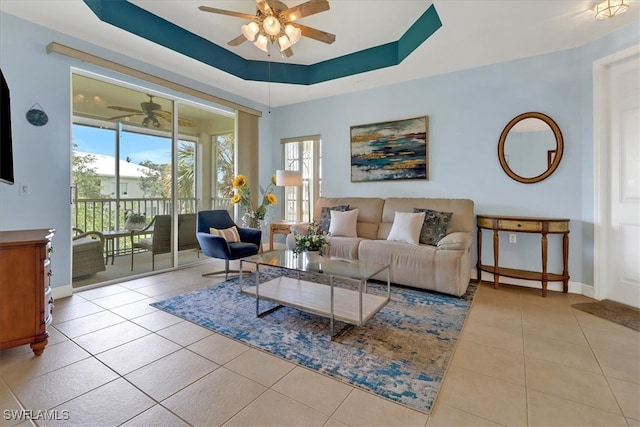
251, 221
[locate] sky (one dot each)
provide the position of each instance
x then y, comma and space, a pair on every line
135, 146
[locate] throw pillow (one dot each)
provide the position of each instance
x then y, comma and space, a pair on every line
344, 223
435, 225
229, 234
325, 216
406, 227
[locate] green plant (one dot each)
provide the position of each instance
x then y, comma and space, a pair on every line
133, 217
312, 240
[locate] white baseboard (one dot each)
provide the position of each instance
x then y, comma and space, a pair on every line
62, 291
574, 287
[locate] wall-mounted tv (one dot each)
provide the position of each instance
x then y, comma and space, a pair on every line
6, 143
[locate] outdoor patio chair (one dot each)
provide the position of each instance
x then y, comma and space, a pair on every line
216, 246
88, 253
158, 243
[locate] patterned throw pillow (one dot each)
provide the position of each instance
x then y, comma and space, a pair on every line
325, 216
231, 234
435, 225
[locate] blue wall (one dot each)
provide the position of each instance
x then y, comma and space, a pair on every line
467, 111
42, 155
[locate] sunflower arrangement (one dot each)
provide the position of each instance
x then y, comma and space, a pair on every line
242, 196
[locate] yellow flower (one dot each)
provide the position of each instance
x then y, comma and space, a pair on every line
272, 199
236, 198
273, 179
239, 182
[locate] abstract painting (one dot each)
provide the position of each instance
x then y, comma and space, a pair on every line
393, 150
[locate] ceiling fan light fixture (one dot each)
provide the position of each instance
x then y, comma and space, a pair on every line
284, 42
250, 30
261, 43
271, 25
610, 8
293, 33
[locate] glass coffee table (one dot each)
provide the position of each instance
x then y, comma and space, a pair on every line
351, 306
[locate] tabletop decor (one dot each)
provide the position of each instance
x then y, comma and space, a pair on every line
134, 221
313, 240
253, 215
390, 150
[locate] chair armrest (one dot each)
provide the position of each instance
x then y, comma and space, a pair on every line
250, 235
457, 240
213, 246
92, 234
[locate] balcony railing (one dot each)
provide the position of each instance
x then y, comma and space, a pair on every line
109, 214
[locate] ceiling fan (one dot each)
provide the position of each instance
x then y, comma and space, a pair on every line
152, 112
274, 21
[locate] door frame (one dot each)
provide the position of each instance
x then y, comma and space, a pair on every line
601, 167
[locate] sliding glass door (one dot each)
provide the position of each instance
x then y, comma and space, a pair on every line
141, 154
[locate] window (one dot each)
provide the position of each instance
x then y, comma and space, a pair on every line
223, 161
302, 154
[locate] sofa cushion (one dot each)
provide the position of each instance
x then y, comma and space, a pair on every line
435, 225
462, 219
406, 227
370, 212
344, 223
343, 247
325, 216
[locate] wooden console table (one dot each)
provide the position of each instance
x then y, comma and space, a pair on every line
542, 226
280, 227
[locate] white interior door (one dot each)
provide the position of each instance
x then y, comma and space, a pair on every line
624, 191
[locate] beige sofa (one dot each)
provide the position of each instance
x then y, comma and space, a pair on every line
445, 267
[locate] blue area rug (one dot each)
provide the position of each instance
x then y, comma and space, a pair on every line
401, 354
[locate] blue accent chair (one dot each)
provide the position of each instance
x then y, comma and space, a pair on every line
217, 247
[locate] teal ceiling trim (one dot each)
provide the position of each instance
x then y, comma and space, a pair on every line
422, 29
136, 20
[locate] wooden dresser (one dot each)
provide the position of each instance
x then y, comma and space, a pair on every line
26, 302
542, 226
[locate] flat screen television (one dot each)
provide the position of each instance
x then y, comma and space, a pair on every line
6, 143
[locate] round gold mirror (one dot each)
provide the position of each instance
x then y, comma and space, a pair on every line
530, 147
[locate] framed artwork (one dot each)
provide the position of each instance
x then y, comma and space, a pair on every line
393, 150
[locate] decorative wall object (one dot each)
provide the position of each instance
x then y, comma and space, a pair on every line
394, 150
36, 115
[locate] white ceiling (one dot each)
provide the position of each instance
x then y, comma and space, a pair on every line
473, 33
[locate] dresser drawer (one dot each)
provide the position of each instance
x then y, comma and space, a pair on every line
515, 225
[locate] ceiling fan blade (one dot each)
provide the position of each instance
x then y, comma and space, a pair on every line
238, 40
264, 7
314, 33
186, 122
287, 52
126, 109
305, 9
226, 12
123, 116
165, 115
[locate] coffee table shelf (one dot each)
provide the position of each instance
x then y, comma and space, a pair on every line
316, 298
336, 302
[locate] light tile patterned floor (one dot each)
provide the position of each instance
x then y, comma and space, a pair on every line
522, 360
